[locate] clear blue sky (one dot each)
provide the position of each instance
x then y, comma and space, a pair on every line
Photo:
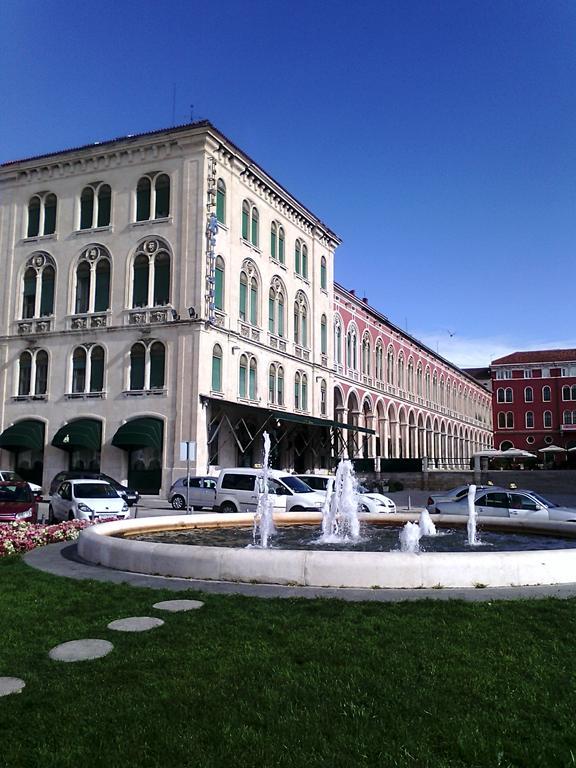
436, 137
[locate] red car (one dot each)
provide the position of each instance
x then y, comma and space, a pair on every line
17, 502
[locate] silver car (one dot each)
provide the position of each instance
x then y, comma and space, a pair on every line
200, 493
367, 501
503, 502
454, 494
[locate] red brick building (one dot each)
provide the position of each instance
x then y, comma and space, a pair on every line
534, 400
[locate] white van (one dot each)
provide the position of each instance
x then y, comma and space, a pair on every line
237, 491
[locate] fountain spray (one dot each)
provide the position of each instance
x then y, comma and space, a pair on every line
263, 520
471, 525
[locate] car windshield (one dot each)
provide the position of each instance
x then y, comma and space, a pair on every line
12, 493
94, 491
542, 500
10, 476
295, 484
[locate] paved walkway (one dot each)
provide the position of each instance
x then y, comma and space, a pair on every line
62, 560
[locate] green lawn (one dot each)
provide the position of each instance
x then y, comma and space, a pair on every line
252, 682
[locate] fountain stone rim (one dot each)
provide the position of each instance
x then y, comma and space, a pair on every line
109, 544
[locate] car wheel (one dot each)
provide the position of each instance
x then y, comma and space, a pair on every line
178, 502
51, 518
295, 509
228, 508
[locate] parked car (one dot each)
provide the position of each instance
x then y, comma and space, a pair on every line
86, 499
17, 502
368, 501
237, 490
129, 495
454, 494
503, 502
9, 476
201, 493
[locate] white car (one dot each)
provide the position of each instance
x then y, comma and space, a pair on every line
86, 500
367, 501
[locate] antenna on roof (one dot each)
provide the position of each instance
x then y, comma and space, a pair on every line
191, 113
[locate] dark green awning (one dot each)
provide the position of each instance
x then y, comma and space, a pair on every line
139, 433
314, 421
24, 436
82, 433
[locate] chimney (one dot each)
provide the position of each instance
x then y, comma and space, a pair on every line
352, 291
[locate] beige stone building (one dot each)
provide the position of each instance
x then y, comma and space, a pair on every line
157, 289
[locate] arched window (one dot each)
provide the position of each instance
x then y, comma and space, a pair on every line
147, 366
38, 286
153, 197
254, 227
401, 371
547, 419
93, 281
95, 206
323, 274
248, 294
500, 395
379, 362
25, 374
33, 373
217, 368
297, 382
245, 220
301, 320
151, 275
528, 395
276, 384
411, 376
41, 374
529, 419
274, 240
323, 335
546, 394
510, 420
366, 355
219, 283
42, 215
569, 392
87, 369
253, 379
276, 308
390, 366
242, 376
301, 259
338, 341
304, 382
323, 399
281, 256
221, 201
419, 380
300, 391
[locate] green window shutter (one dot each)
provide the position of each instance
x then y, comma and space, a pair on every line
47, 294
219, 288
221, 202
271, 308
79, 370
304, 394
297, 392
242, 379
304, 261
24, 373
86, 208
243, 296
280, 388
162, 188
255, 237
252, 383
297, 259
97, 370
82, 287
280, 318
50, 215
304, 340
323, 282
323, 339
245, 221
281, 247
161, 280
253, 304
34, 217
216, 372
102, 297
143, 194
157, 359
137, 366
29, 299
271, 385
41, 373
104, 205
141, 275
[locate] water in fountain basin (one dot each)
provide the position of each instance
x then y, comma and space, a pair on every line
473, 540
340, 512
427, 527
410, 538
263, 520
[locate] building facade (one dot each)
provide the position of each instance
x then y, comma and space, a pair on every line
162, 289
418, 404
534, 400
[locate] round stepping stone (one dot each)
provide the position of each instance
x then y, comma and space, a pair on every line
10, 685
178, 605
135, 624
81, 650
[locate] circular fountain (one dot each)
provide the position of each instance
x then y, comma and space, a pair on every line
114, 545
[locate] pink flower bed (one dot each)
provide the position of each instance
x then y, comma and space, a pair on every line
22, 537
